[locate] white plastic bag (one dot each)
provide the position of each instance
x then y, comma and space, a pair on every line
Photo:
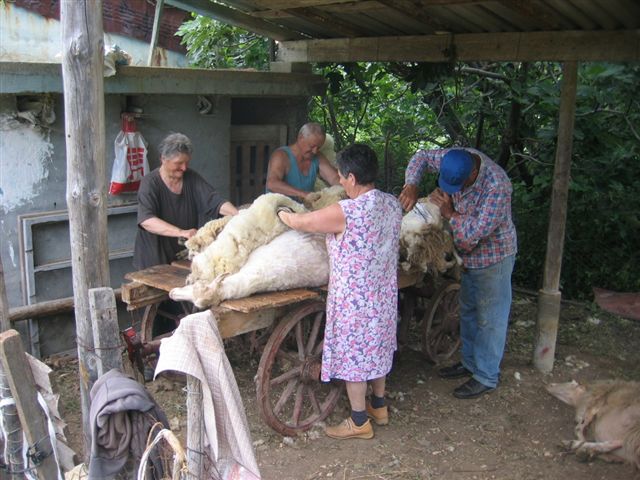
130, 163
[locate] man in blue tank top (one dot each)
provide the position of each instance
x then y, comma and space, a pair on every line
293, 169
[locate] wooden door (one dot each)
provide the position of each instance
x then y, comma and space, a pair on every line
251, 147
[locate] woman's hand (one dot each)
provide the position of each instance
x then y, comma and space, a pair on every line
284, 214
187, 233
408, 196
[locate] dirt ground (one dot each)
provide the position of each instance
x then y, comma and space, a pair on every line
512, 433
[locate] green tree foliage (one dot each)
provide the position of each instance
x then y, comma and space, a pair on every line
508, 110
212, 44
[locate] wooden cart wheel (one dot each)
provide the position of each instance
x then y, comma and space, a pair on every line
441, 331
146, 325
290, 395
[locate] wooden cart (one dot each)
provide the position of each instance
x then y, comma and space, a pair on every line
290, 396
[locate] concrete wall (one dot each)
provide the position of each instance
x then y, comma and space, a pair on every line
292, 112
33, 181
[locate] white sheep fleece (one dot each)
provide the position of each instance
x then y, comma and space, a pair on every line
422, 243
325, 197
250, 229
292, 259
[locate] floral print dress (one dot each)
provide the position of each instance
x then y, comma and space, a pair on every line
360, 334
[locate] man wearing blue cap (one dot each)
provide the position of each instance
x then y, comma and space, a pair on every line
475, 197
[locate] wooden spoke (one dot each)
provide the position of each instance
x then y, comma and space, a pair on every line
294, 372
299, 341
297, 407
313, 335
286, 393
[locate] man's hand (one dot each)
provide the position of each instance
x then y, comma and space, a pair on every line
443, 200
408, 196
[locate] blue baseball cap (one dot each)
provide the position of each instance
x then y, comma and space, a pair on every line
455, 168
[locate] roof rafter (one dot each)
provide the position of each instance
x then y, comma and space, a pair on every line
532, 9
237, 18
327, 21
413, 9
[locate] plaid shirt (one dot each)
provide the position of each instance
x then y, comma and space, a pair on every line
483, 232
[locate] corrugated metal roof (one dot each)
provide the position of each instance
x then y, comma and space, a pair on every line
339, 18
543, 29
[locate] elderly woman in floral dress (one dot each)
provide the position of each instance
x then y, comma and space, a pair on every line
360, 334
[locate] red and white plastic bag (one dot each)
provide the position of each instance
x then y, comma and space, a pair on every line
130, 163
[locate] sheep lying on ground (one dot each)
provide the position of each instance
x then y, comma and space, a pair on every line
425, 245
250, 229
292, 259
607, 416
324, 197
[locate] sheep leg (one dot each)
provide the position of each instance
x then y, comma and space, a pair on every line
182, 294
588, 450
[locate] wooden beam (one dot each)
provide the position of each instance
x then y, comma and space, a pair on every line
137, 295
549, 298
46, 309
236, 17
32, 418
613, 46
82, 56
156, 31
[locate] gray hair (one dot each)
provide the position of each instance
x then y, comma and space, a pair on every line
175, 144
311, 129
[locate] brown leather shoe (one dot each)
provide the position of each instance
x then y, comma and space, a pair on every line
348, 429
379, 415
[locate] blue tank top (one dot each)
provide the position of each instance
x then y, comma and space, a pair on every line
294, 176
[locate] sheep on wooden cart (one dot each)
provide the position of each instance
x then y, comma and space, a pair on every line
255, 274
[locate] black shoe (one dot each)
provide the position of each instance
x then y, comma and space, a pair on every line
471, 389
454, 371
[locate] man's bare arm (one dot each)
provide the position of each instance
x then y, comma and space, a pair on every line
275, 176
327, 171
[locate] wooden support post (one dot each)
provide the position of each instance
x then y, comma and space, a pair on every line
156, 31
549, 296
9, 413
195, 420
106, 332
82, 65
32, 418
5, 324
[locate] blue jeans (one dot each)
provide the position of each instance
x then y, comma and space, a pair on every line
485, 302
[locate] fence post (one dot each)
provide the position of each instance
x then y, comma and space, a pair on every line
195, 418
32, 418
106, 333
